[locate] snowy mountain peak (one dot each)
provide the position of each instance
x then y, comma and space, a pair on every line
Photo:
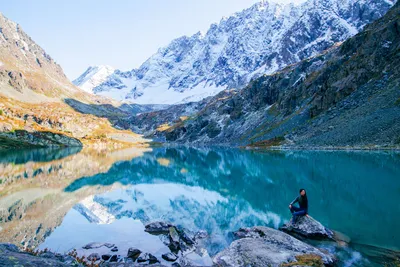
259, 40
93, 77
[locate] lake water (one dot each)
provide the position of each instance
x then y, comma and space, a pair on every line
65, 198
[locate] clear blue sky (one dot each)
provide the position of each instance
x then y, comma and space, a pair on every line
119, 33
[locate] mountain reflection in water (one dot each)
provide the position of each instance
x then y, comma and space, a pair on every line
92, 196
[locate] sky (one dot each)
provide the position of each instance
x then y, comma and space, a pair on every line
120, 33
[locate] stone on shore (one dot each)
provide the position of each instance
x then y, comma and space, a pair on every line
133, 253
307, 227
169, 256
158, 228
94, 257
263, 246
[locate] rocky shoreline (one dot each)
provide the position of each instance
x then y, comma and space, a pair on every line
255, 246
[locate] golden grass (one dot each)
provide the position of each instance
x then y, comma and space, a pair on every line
89, 129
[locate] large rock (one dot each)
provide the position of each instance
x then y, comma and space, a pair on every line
263, 246
157, 228
308, 227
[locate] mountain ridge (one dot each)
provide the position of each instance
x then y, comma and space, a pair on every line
346, 97
258, 40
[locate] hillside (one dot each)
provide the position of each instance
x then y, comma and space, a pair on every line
259, 40
36, 97
347, 96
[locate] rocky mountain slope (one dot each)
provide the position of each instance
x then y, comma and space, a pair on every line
39, 106
346, 96
258, 40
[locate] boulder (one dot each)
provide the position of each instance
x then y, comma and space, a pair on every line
114, 249
158, 228
5, 127
147, 257
105, 257
133, 253
152, 259
307, 227
169, 256
94, 257
114, 258
263, 246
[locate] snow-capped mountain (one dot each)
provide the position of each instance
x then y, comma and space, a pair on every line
93, 77
259, 40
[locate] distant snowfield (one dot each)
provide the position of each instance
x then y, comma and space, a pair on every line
161, 94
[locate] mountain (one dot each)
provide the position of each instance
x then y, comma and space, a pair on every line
259, 40
347, 96
40, 107
93, 77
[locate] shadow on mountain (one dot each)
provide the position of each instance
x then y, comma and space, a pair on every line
101, 110
118, 116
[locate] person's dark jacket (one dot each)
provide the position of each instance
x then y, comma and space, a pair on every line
303, 202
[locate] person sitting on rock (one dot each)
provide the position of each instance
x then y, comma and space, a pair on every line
303, 206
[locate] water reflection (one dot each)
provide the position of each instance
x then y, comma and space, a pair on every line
36, 155
32, 197
218, 190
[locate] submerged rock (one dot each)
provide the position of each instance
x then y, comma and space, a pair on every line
93, 245
263, 246
308, 227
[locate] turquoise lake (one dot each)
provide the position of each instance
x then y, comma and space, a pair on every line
65, 198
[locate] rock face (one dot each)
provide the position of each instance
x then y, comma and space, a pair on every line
11, 256
258, 40
263, 246
347, 96
308, 227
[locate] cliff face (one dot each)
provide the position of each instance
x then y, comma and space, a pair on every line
349, 95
